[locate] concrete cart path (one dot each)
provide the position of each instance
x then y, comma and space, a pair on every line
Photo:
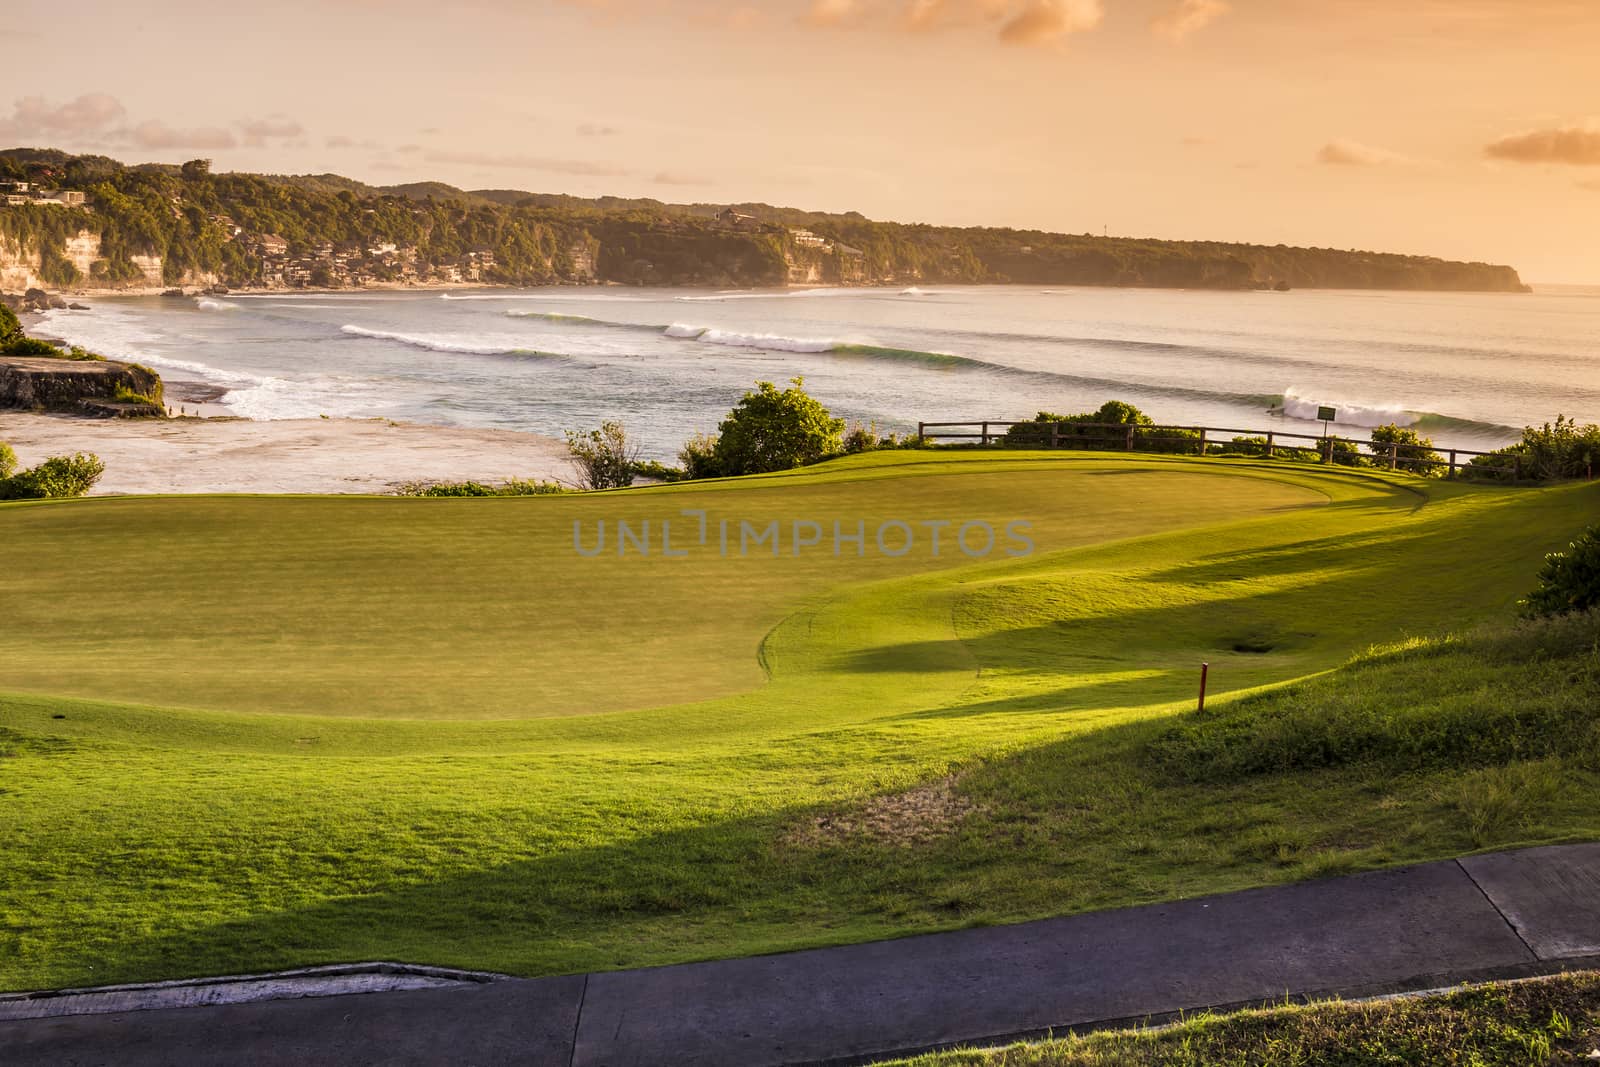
1500, 915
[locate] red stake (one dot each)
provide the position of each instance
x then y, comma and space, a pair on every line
1204, 667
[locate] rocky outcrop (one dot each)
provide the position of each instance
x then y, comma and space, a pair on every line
85, 387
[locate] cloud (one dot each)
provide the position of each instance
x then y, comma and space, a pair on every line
1343, 153
578, 167
157, 134
1188, 16
34, 116
1042, 22
258, 131
590, 129
1577, 146
668, 177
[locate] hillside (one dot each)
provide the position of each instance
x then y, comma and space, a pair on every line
163, 225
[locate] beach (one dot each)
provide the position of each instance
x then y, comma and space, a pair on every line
228, 455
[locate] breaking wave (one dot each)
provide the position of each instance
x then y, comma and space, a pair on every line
435, 343
207, 304
1297, 405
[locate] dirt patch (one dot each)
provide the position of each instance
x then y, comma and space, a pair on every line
916, 817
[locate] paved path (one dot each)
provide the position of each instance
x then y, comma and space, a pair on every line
1499, 915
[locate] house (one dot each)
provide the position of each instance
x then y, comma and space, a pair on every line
18, 188
16, 199
270, 244
807, 239
69, 197
734, 220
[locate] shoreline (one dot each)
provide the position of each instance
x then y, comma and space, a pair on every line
232, 454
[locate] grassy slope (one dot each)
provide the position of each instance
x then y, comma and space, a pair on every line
149, 842
1517, 1024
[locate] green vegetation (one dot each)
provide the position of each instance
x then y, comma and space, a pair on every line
511, 487
10, 328
186, 214
604, 458
387, 728
56, 477
771, 430
1511, 1024
1552, 452
1570, 580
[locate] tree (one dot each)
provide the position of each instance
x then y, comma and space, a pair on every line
771, 430
1413, 452
604, 458
10, 328
196, 169
58, 476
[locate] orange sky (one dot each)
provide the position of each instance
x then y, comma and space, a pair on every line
1462, 128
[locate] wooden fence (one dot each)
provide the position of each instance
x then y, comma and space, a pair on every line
1208, 440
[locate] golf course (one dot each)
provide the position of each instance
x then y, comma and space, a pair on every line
241, 733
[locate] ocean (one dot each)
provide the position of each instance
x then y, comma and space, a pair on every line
1466, 369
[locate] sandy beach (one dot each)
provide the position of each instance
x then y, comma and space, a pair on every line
224, 455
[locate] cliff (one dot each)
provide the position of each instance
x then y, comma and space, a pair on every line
92, 387
155, 225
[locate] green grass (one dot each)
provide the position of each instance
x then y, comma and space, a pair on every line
1512, 1024
332, 729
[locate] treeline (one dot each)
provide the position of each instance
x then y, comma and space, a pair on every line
185, 215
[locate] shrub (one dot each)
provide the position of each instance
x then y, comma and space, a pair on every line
1569, 581
699, 457
514, 487
861, 438
1075, 431
604, 458
8, 458
773, 430
10, 328
30, 346
1413, 452
660, 472
1562, 449
1346, 453
58, 476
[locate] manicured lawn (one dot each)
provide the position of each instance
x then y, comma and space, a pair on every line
258, 732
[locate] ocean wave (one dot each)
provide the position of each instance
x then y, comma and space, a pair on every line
595, 298
207, 304
1298, 405
563, 319
450, 344
769, 341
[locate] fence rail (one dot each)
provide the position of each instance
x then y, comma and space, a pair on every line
1209, 440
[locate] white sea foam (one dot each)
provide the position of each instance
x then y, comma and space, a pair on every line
1298, 406
207, 304
472, 346
769, 341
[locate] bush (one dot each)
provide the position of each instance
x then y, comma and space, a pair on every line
8, 458
605, 459
1413, 452
1569, 581
1074, 431
1346, 453
860, 438
699, 457
58, 476
1562, 449
29, 346
10, 328
649, 468
514, 487
771, 430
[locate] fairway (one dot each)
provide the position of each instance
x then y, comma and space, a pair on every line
250, 732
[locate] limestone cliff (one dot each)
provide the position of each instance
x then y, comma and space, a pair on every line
91, 387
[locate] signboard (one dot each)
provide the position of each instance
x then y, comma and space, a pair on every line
1327, 414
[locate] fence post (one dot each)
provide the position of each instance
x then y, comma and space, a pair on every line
1394, 454
1516, 468
986, 433
1202, 440
1452, 463
1129, 445
1271, 448
1327, 451
1055, 435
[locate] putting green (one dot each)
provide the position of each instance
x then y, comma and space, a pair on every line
244, 733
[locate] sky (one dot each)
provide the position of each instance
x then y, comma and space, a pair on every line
1467, 129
